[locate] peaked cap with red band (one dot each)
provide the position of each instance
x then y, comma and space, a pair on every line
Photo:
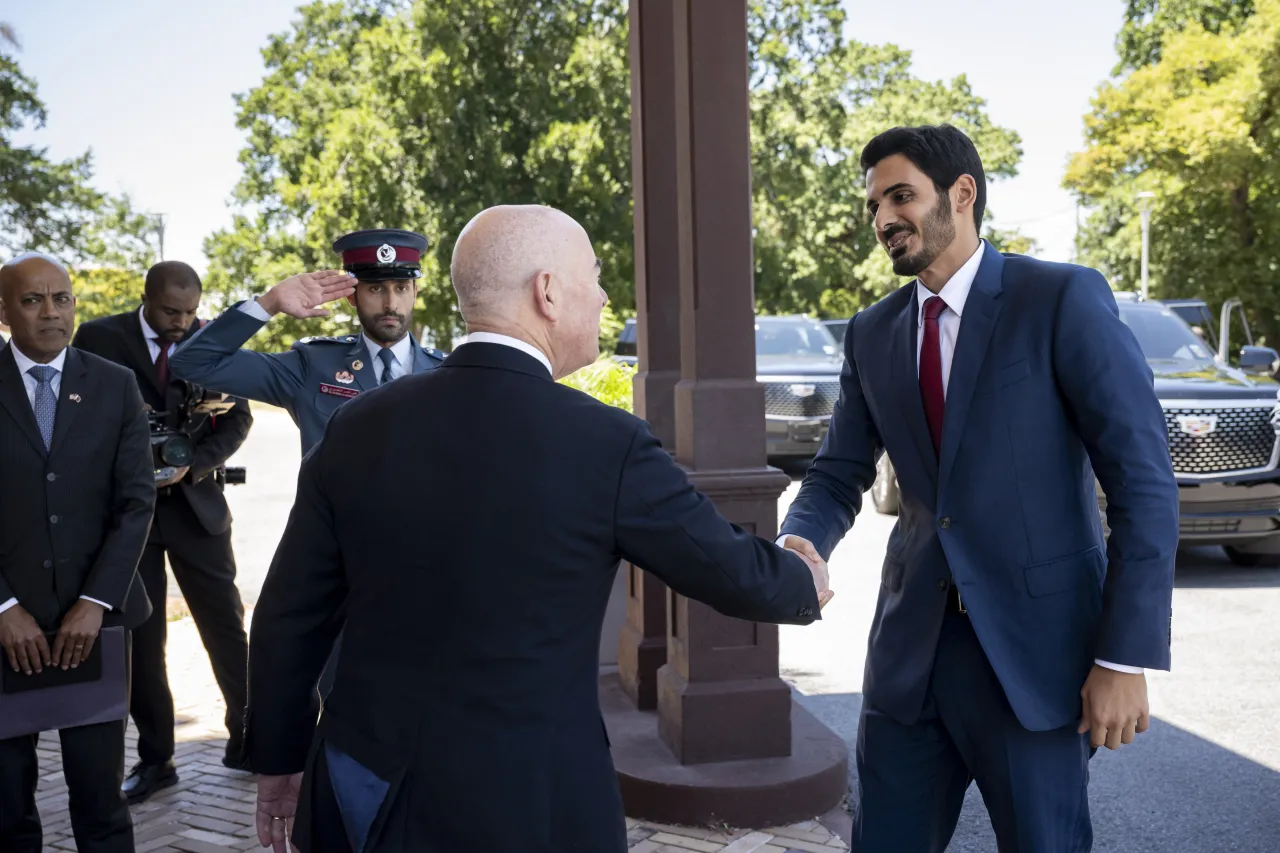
382, 253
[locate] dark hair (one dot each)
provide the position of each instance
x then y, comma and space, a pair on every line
940, 151
170, 274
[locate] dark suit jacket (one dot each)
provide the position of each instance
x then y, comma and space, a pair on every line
74, 522
119, 338
1047, 386
469, 666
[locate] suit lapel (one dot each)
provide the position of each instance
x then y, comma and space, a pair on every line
907, 381
136, 341
981, 311
358, 365
75, 385
14, 400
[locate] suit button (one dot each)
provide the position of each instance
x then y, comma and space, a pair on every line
945, 523
51, 476
804, 611
48, 564
53, 519
942, 584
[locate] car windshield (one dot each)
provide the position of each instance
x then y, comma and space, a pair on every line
1163, 335
793, 337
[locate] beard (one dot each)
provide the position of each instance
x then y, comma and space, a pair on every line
937, 233
384, 334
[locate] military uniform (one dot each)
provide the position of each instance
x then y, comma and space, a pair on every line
319, 374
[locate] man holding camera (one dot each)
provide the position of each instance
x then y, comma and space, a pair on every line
192, 523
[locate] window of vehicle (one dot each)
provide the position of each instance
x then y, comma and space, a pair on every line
1163, 335
791, 336
627, 339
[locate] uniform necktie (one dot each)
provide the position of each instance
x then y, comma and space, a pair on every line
46, 404
931, 370
387, 358
162, 365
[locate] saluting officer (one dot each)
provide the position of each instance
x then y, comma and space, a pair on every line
317, 375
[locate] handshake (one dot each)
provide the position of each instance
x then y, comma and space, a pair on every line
817, 566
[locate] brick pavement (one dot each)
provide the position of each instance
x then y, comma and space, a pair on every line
211, 807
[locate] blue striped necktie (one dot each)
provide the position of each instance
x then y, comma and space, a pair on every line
46, 403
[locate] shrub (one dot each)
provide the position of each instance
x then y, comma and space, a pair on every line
606, 380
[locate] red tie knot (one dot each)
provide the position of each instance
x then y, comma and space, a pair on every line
933, 307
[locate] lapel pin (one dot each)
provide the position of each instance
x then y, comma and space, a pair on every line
357, 364
75, 398
344, 377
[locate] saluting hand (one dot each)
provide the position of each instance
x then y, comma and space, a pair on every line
817, 566
299, 295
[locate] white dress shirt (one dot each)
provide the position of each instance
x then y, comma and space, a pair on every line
955, 293
506, 340
31, 384
153, 337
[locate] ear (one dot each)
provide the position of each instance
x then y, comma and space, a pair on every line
546, 295
351, 300
964, 195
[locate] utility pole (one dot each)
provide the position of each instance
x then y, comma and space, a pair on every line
159, 220
1144, 209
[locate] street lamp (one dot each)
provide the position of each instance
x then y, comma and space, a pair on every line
159, 220
1144, 209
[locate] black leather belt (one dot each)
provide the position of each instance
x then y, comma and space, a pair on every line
954, 603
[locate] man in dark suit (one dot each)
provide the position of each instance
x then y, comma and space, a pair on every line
192, 526
77, 490
441, 709
1006, 629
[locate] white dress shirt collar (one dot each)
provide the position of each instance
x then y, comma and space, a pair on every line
507, 340
25, 364
956, 291
147, 332
401, 349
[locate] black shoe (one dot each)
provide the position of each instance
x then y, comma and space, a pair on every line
145, 779
233, 761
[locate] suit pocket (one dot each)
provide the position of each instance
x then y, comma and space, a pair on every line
891, 574
1064, 573
1011, 373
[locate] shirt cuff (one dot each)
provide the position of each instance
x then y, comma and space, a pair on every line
1120, 667
10, 603
254, 310
781, 539
104, 605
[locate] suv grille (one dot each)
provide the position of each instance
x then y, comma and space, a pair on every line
1242, 439
782, 401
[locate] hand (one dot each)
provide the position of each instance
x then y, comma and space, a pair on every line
277, 805
299, 295
176, 478
77, 634
23, 641
1115, 707
817, 565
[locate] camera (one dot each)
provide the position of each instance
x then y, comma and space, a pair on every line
171, 445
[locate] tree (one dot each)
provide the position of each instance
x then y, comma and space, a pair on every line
419, 114
1201, 129
1149, 23
49, 206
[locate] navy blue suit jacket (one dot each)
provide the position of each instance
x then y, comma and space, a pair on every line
1047, 386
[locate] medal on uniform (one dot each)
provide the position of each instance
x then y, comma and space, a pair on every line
357, 364
344, 377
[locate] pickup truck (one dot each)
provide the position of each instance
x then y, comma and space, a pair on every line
1224, 435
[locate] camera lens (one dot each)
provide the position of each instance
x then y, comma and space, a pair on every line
178, 451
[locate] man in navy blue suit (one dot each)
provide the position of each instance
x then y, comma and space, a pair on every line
1009, 640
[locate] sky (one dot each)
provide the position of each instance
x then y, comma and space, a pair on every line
148, 85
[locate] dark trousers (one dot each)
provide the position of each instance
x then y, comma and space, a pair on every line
205, 569
913, 778
93, 764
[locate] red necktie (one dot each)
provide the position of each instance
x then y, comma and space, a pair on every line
162, 366
931, 370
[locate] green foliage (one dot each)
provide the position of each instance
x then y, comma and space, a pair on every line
420, 113
1148, 24
606, 380
49, 206
1201, 130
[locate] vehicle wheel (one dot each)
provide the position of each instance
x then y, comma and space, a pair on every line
1252, 558
884, 491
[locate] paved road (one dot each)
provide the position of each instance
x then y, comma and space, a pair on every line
1204, 779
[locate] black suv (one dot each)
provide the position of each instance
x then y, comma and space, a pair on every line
1224, 436
798, 362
